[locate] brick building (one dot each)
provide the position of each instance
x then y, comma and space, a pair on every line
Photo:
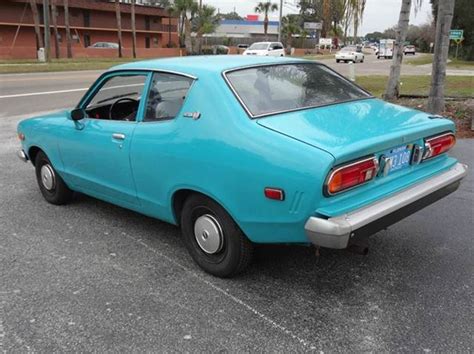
90, 21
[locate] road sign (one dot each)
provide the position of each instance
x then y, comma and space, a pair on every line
325, 41
456, 34
313, 26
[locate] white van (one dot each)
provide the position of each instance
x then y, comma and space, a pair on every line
386, 48
274, 49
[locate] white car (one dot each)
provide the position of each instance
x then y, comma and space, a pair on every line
349, 54
409, 49
273, 49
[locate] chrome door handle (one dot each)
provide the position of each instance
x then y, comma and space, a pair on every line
118, 136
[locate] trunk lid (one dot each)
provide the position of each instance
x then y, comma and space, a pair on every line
355, 129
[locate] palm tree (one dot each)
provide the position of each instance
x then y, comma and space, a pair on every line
171, 11
393, 85
265, 8
54, 19
205, 22
326, 18
436, 103
134, 32
357, 8
119, 27
34, 10
186, 9
290, 27
68, 29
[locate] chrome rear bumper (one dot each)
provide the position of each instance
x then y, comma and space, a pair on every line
335, 232
22, 156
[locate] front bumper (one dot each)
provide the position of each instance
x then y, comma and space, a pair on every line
335, 232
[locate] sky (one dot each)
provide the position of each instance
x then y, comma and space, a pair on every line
378, 16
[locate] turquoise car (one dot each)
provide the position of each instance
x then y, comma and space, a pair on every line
244, 150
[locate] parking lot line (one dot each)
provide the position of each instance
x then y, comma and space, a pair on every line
235, 299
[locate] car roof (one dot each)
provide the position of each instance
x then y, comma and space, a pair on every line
205, 64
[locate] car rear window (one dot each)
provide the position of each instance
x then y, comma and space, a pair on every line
271, 89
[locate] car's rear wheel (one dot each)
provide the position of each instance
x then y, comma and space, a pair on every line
213, 239
50, 183
337, 60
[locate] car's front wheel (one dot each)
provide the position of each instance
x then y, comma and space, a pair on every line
50, 183
213, 239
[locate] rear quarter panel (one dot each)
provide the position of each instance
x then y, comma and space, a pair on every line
231, 159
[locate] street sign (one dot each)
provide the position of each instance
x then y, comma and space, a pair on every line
325, 41
456, 34
313, 26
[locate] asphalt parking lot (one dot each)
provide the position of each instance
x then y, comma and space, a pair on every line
90, 276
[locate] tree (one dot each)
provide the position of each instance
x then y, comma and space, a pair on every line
54, 18
393, 85
265, 8
119, 27
68, 29
357, 8
39, 37
170, 10
230, 16
444, 16
134, 30
326, 18
186, 10
290, 27
205, 22
463, 18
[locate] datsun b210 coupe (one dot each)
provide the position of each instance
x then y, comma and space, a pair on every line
239, 150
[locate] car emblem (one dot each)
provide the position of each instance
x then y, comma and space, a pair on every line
193, 115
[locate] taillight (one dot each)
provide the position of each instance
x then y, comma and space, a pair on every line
352, 175
438, 144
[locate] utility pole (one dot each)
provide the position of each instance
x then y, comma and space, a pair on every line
47, 31
279, 21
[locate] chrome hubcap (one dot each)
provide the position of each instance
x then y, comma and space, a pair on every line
47, 177
208, 234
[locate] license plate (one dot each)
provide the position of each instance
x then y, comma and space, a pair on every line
399, 157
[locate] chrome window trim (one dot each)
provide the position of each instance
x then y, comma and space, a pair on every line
154, 70
340, 167
253, 116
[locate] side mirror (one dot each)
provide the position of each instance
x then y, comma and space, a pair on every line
78, 114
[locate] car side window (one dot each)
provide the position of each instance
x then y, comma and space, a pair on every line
166, 96
118, 98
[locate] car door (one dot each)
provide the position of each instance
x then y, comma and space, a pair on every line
158, 142
96, 149
276, 50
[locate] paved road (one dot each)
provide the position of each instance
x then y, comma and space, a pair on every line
90, 276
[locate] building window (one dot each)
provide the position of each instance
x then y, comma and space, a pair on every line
155, 42
147, 42
147, 23
87, 18
87, 40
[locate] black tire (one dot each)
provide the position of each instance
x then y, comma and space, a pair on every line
337, 60
236, 250
55, 192
362, 60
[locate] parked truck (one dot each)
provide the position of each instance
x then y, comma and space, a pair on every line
386, 49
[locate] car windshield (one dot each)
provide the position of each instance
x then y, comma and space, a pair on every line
271, 89
348, 49
259, 46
